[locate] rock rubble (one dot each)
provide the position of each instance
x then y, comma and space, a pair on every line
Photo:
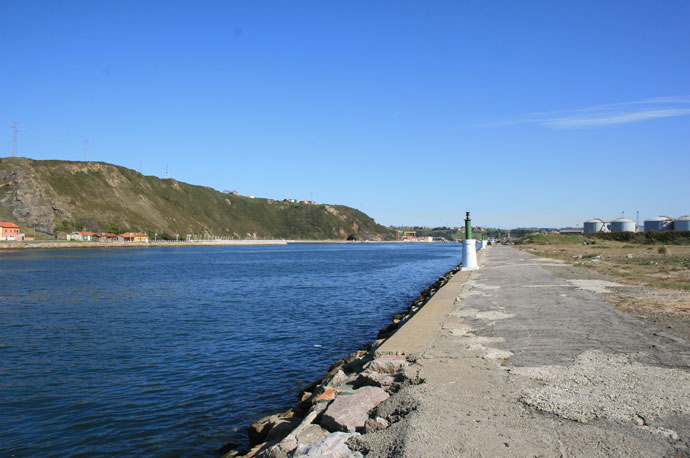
343, 404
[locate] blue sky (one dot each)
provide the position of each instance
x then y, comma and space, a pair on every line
526, 113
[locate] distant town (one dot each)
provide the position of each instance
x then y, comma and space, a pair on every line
11, 232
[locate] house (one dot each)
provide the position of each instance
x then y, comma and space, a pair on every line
103, 237
141, 237
9, 231
86, 236
126, 237
134, 237
75, 236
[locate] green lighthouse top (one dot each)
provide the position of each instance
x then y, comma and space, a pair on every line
468, 226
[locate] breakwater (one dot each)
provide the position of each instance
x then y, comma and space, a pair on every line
339, 405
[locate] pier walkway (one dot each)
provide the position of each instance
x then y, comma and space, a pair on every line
524, 358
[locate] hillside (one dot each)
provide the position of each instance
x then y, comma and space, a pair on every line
53, 196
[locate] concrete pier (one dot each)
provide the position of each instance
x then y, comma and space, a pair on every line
525, 358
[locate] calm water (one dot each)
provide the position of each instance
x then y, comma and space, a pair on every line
164, 351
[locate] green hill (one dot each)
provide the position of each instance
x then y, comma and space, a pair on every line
53, 196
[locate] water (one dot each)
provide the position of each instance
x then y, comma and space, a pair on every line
164, 351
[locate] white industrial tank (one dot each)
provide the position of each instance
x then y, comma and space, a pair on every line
682, 223
659, 223
622, 225
594, 225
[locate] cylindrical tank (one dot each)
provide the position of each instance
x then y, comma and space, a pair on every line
622, 225
659, 223
594, 225
682, 223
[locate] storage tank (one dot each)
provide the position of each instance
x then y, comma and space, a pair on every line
682, 223
659, 223
594, 225
622, 225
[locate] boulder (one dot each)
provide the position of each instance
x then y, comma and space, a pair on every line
332, 446
259, 430
375, 424
328, 394
338, 379
311, 433
356, 364
279, 450
389, 364
303, 438
349, 412
282, 428
370, 377
257, 451
304, 405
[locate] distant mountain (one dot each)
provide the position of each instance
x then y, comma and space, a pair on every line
57, 196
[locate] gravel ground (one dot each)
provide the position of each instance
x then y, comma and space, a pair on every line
530, 363
667, 309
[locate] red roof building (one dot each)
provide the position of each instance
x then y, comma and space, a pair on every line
8, 229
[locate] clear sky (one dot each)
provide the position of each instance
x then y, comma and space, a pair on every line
527, 113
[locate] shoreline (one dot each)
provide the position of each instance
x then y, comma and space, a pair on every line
309, 426
50, 244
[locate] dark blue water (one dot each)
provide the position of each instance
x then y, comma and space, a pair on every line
164, 351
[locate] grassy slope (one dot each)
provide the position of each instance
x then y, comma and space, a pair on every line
102, 196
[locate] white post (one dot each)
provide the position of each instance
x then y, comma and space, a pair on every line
469, 255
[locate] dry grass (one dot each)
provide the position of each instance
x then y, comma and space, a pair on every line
657, 266
657, 277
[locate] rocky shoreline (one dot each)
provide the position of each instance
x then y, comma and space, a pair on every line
347, 402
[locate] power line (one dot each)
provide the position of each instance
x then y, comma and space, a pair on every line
14, 138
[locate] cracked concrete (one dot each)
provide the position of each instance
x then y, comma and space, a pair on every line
517, 361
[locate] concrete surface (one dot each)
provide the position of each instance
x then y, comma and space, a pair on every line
517, 361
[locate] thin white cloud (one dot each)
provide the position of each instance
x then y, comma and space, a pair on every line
607, 115
618, 118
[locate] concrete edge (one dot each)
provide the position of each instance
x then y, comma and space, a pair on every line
415, 336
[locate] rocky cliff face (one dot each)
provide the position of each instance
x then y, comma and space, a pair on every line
27, 199
95, 196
